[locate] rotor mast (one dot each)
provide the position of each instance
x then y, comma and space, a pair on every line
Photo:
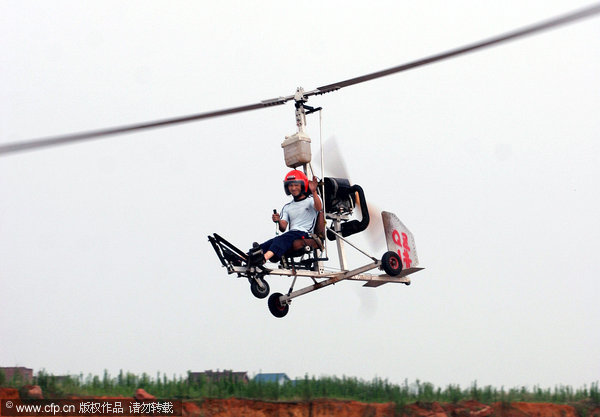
300, 100
296, 147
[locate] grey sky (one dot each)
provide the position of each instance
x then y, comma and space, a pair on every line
491, 159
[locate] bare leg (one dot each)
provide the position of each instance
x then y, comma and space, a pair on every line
268, 255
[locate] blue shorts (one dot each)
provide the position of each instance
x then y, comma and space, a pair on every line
279, 245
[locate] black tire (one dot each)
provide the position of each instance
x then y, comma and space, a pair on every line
391, 263
276, 308
257, 291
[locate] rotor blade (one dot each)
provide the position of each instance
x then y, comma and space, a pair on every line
76, 137
545, 25
336, 168
95, 134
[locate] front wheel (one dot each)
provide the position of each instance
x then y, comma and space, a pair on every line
391, 263
257, 290
276, 308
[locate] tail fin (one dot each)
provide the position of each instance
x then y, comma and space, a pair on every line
400, 240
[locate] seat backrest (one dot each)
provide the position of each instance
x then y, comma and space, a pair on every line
320, 225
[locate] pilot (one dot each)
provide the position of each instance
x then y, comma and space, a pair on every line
300, 215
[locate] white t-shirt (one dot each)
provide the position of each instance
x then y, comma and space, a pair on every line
300, 215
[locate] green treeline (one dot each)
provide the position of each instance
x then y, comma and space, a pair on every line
307, 388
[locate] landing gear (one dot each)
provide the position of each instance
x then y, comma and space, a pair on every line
259, 287
391, 263
276, 308
251, 265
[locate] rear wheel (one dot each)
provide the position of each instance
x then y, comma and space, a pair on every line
391, 263
276, 308
257, 290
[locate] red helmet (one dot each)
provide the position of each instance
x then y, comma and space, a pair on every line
295, 177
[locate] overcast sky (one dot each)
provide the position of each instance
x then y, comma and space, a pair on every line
492, 160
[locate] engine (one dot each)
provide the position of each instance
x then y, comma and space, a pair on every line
340, 199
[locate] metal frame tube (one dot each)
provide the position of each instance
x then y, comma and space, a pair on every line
338, 236
339, 277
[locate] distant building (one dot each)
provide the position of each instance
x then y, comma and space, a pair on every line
19, 372
279, 378
216, 376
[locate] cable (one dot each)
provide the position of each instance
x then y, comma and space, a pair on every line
78, 137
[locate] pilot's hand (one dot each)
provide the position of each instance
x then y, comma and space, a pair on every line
276, 217
312, 185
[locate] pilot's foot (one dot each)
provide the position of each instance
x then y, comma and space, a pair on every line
255, 255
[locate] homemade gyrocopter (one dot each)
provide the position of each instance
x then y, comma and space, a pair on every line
342, 201
308, 257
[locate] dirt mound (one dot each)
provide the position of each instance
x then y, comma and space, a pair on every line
141, 394
190, 409
31, 392
539, 410
335, 408
9, 394
318, 408
422, 409
234, 407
